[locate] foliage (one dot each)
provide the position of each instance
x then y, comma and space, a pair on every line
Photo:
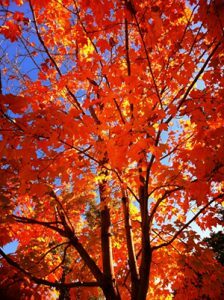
111, 145
216, 242
199, 275
15, 286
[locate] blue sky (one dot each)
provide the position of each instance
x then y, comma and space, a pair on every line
10, 247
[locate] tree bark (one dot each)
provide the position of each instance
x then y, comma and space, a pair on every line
146, 257
109, 285
131, 251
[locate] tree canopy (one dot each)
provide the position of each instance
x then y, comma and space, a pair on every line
111, 141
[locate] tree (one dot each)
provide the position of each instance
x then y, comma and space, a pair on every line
111, 141
200, 272
15, 286
216, 241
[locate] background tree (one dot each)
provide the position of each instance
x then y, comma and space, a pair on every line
111, 142
216, 240
199, 273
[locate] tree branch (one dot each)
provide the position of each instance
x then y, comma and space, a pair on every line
37, 280
77, 104
166, 194
49, 225
148, 60
73, 241
188, 223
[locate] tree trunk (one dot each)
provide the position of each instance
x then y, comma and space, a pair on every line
110, 290
109, 286
64, 292
146, 257
144, 271
131, 251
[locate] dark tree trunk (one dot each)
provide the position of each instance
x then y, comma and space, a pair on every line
64, 294
146, 257
109, 285
131, 251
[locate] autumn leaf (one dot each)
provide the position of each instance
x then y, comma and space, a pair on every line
11, 30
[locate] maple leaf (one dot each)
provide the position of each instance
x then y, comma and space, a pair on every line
11, 30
